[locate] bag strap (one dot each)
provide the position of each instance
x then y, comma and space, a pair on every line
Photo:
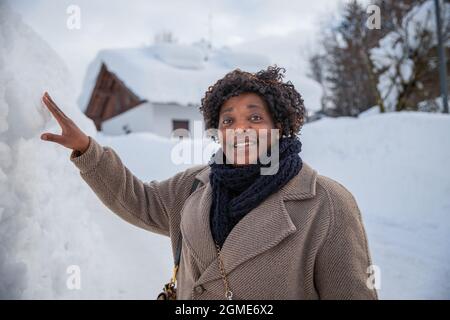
178, 253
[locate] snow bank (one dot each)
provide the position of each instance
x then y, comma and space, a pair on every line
49, 219
43, 228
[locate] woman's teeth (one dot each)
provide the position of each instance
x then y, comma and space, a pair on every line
244, 144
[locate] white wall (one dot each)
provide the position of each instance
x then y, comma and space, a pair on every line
138, 119
152, 117
165, 113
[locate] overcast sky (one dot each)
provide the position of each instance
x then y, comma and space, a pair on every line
112, 24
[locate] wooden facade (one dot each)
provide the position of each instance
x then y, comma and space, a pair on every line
110, 97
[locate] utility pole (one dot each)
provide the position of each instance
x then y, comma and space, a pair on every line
442, 59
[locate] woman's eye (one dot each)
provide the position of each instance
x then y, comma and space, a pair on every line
255, 118
226, 121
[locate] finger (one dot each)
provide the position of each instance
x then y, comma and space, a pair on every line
58, 116
54, 104
52, 137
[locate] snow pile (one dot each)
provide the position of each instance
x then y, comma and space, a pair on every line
47, 213
40, 221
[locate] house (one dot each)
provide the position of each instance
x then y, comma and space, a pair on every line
109, 98
116, 109
156, 88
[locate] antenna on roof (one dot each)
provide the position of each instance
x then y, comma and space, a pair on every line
210, 31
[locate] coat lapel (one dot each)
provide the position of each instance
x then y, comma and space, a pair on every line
195, 226
259, 230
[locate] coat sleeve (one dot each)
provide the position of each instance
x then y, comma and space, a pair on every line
344, 258
148, 205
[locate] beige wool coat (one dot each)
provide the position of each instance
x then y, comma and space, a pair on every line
306, 241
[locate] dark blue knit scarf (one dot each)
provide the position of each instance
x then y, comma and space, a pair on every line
236, 190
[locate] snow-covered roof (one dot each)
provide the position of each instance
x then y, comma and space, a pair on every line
169, 72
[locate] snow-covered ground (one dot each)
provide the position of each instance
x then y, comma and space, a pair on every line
396, 165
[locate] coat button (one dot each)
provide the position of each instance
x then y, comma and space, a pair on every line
199, 289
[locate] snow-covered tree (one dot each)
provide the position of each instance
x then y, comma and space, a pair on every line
394, 67
406, 59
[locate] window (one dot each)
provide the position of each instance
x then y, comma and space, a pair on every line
182, 127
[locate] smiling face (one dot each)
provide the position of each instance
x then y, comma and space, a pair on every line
249, 112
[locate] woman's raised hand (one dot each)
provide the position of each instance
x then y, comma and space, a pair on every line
71, 136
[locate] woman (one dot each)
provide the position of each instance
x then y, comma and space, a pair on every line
289, 233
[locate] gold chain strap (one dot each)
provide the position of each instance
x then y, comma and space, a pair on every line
228, 292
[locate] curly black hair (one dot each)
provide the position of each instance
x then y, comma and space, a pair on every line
284, 102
